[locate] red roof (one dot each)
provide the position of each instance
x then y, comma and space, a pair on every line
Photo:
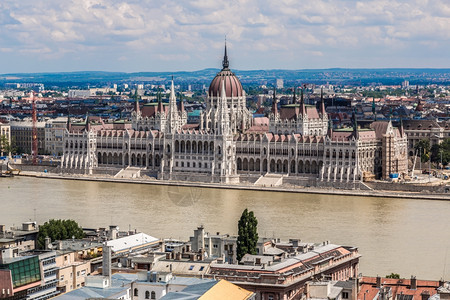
369, 290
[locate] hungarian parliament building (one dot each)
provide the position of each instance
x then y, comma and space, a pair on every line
229, 145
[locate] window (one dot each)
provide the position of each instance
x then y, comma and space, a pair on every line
78, 273
153, 295
345, 295
201, 268
191, 268
215, 246
270, 297
147, 295
135, 292
62, 277
83, 272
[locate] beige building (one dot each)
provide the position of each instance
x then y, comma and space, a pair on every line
71, 273
21, 132
54, 134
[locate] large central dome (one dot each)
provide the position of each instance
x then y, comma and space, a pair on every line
233, 86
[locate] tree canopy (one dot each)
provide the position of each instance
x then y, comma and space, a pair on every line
441, 151
6, 146
247, 234
58, 230
393, 276
423, 148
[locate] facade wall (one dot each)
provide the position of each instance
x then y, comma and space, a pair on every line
21, 132
220, 149
71, 274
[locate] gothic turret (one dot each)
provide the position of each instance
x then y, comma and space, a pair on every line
160, 104
302, 104
274, 102
223, 114
173, 112
322, 110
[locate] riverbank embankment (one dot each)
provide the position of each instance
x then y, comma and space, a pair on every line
250, 187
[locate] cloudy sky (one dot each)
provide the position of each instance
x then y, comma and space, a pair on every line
171, 35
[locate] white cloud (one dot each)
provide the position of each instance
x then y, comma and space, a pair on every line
170, 35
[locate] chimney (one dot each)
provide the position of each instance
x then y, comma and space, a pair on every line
60, 245
425, 295
47, 242
106, 266
113, 231
413, 283
378, 282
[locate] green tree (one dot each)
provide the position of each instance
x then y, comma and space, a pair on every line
247, 234
393, 276
445, 148
436, 153
58, 230
6, 146
423, 147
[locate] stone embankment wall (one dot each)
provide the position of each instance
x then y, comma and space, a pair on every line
408, 187
37, 168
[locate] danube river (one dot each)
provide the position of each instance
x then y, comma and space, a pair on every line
409, 237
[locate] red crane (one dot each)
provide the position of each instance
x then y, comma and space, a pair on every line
34, 147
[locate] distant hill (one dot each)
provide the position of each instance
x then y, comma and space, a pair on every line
319, 76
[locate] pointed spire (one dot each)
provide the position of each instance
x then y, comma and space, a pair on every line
225, 62
88, 127
374, 110
160, 105
136, 107
355, 125
181, 103
322, 104
274, 102
302, 104
294, 100
172, 96
402, 131
224, 118
68, 119
330, 127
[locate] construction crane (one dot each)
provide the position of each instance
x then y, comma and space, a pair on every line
34, 147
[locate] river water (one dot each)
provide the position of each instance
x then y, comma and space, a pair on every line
405, 236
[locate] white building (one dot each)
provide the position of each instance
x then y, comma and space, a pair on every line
228, 144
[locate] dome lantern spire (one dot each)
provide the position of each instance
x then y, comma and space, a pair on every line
225, 62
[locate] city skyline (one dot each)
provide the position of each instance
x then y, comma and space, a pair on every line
130, 36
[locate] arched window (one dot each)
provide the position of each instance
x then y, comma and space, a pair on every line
147, 295
153, 295
135, 292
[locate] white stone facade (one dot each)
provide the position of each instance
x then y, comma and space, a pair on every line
299, 142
